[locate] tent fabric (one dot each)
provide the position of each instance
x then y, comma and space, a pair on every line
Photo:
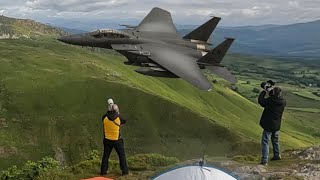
195, 173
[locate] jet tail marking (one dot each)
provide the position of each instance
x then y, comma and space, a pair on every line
215, 56
203, 32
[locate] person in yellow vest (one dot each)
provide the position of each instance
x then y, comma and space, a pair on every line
112, 138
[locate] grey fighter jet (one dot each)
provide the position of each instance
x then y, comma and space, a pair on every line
157, 48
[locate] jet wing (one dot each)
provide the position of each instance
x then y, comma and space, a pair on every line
181, 65
158, 20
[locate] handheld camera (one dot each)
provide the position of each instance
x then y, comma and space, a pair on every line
267, 84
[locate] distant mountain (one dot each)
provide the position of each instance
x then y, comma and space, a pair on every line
11, 28
73, 31
301, 39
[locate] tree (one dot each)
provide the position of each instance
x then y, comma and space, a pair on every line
256, 90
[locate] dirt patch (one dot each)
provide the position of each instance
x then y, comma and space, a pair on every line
7, 151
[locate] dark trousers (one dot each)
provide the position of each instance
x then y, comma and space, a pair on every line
119, 147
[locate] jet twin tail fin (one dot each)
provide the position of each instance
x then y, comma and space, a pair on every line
203, 32
216, 55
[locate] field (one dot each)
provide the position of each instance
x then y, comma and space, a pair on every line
52, 97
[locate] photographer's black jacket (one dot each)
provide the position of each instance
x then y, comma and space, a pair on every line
272, 113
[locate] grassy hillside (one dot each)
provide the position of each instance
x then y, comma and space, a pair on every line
26, 28
52, 97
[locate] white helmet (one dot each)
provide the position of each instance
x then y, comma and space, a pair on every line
110, 101
110, 104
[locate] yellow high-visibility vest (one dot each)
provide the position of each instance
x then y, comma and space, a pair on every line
111, 128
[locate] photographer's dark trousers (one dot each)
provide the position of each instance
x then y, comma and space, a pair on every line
265, 145
119, 147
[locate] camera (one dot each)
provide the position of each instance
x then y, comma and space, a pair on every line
268, 84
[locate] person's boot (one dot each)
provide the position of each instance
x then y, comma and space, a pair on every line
103, 173
275, 158
264, 163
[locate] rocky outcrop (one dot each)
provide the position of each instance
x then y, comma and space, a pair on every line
312, 153
296, 164
3, 123
5, 36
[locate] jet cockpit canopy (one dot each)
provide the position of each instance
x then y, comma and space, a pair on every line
109, 33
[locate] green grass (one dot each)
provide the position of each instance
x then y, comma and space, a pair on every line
312, 110
307, 94
53, 95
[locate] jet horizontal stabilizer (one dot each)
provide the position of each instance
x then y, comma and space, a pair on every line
223, 73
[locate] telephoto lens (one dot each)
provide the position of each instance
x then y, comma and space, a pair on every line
272, 83
262, 85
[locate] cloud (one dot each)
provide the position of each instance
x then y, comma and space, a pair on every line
2, 11
74, 5
294, 4
256, 11
233, 13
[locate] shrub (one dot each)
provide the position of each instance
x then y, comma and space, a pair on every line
316, 93
93, 155
235, 88
30, 170
85, 166
256, 90
11, 173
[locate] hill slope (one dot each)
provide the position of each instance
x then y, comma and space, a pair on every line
11, 28
52, 97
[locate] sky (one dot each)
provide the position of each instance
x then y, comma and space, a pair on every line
88, 13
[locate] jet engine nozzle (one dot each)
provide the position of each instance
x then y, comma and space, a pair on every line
203, 47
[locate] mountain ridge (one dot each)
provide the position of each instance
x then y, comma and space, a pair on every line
299, 40
12, 28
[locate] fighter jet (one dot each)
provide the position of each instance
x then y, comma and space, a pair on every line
159, 50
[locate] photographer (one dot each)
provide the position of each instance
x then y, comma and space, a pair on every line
271, 119
112, 121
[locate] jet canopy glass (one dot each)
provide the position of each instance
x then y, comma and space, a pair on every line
109, 33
